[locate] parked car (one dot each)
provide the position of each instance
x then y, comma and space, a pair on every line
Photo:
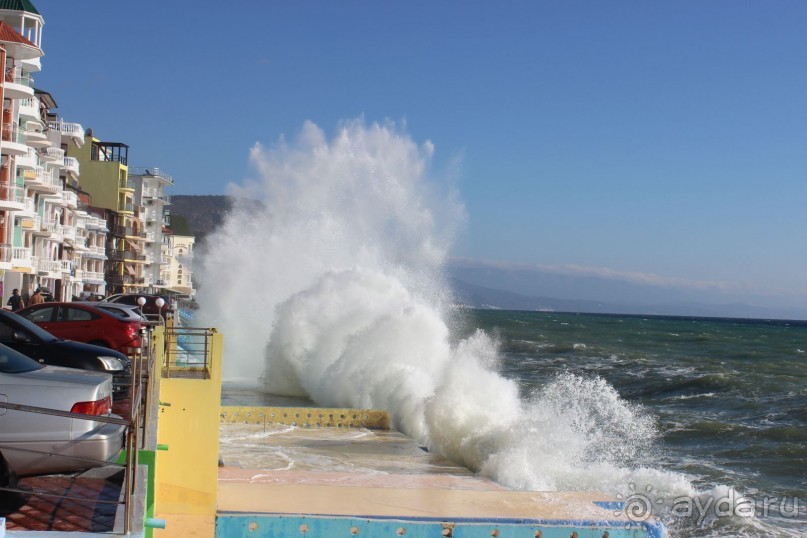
62, 444
150, 308
124, 311
85, 322
35, 342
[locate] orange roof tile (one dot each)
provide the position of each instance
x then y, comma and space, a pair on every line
10, 35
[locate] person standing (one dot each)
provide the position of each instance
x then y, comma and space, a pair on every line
15, 301
37, 298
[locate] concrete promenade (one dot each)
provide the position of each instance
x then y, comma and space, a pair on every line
281, 474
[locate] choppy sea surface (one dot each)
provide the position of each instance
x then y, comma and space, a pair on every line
729, 398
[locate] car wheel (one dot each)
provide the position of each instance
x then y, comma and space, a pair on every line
99, 343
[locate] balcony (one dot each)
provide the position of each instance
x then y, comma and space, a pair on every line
97, 253
32, 224
70, 199
71, 166
29, 109
73, 131
69, 233
18, 85
28, 206
21, 259
13, 143
51, 155
34, 136
126, 185
29, 161
119, 280
123, 231
80, 245
41, 180
96, 224
54, 228
93, 277
10, 197
122, 255
5, 255
127, 207
49, 268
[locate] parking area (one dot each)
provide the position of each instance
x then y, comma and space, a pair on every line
81, 502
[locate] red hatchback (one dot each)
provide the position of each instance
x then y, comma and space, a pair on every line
83, 322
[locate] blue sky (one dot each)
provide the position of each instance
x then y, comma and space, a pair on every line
667, 139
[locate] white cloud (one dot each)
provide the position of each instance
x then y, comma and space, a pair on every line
633, 277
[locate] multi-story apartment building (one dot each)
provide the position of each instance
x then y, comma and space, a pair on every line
71, 218
105, 177
19, 57
43, 225
180, 272
150, 184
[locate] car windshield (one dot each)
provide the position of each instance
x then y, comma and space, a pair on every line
13, 362
31, 327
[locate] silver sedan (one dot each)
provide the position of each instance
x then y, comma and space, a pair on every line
34, 443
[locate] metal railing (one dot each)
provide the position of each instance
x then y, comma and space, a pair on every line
188, 352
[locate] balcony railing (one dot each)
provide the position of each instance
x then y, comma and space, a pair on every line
128, 206
147, 171
123, 231
30, 106
13, 133
31, 224
9, 192
5, 252
51, 266
16, 76
54, 227
69, 233
127, 184
70, 199
25, 200
30, 160
71, 165
119, 280
69, 129
93, 277
52, 154
21, 256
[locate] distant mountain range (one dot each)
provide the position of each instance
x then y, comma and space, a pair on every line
511, 287
202, 213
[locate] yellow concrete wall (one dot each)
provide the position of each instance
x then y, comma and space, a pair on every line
100, 179
187, 473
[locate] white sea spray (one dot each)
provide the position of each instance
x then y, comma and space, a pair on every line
326, 282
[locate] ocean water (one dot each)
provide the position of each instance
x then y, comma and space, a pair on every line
332, 289
728, 396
